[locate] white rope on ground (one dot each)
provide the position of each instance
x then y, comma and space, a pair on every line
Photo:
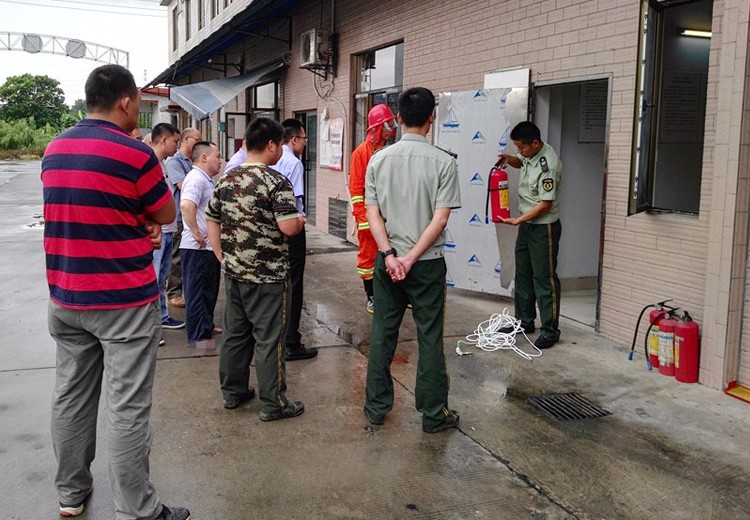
488, 337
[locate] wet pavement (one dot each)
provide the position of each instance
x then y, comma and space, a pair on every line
667, 450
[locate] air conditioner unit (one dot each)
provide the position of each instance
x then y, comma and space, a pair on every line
312, 48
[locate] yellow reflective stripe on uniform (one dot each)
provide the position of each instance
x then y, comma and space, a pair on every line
357, 198
363, 225
280, 350
551, 267
365, 271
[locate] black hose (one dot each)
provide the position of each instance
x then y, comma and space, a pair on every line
635, 335
648, 331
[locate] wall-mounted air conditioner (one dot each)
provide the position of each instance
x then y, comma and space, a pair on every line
312, 48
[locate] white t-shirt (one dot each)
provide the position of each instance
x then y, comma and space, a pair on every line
197, 188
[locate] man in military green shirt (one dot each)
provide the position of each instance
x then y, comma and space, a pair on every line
410, 189
251, 214
539, 232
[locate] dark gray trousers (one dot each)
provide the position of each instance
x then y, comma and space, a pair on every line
122, 345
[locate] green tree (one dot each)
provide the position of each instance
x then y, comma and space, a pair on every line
28, 96
78, 108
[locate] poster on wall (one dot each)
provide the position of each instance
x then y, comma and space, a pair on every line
592, 117
476, 125
681, 108
331, 143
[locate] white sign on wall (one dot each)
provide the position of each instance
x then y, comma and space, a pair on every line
473, 124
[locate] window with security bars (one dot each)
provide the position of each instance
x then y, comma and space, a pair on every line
671, 105
145, 120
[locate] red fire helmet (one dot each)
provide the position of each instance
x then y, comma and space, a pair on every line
378, 115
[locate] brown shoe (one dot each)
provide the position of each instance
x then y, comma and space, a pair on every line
177, 301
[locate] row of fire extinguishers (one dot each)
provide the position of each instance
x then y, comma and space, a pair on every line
672, 342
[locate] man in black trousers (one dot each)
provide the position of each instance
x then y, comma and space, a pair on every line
291, 167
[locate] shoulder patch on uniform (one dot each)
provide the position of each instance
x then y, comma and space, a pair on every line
548, 184
544, 165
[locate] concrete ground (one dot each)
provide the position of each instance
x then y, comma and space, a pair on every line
668, 450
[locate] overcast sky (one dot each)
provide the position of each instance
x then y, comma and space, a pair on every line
136, 26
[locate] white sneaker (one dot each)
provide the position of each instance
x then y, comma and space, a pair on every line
75, 509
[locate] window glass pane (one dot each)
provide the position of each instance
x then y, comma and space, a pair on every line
265, 96
187, 19
382, 68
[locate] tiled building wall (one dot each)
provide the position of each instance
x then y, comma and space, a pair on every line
647, 257
728, 234
450, 46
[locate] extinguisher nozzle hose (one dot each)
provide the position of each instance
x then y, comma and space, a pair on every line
630, 356
648, 364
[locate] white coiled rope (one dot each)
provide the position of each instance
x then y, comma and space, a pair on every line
488, 337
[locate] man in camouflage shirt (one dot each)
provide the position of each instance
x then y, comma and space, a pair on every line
251, 214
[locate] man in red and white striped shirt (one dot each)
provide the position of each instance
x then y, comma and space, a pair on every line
104, 198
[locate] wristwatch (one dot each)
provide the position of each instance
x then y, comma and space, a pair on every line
391, 251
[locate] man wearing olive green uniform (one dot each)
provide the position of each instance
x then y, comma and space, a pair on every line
410, 189
539, 230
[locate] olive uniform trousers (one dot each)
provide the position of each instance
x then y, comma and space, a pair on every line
255, 321
424, 288
537, 283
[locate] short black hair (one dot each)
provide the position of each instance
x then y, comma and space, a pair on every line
262, 130
106, 85
292, 127
163, 130
415, 106
200, 148
526, 132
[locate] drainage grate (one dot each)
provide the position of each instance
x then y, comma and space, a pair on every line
567, 407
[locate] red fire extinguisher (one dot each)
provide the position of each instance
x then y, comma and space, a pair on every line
655, 318
666, 345
498, 193
686, 350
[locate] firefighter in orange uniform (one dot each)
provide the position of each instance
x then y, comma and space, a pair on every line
381, 127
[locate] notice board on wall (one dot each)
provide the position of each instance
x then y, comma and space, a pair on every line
592, 117
330, 147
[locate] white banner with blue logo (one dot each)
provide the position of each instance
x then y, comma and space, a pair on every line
476, 125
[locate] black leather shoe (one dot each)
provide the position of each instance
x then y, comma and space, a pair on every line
543, 342
373, 420
450, 421
301, 352
231, 404
528, 328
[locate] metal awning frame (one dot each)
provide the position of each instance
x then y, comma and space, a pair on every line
254, 21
